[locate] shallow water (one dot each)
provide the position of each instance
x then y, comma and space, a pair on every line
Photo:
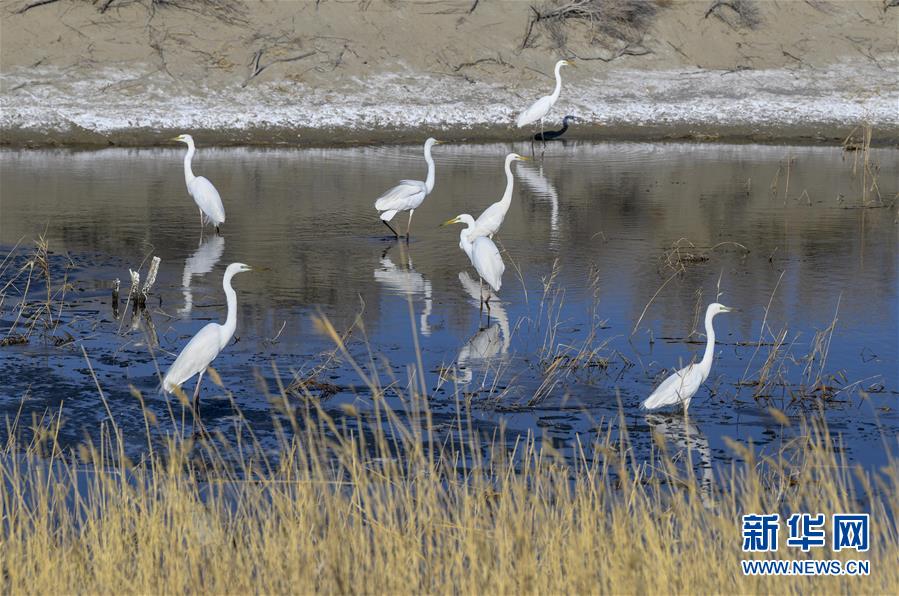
587, 244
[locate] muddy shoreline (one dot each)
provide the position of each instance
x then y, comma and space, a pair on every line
83, 139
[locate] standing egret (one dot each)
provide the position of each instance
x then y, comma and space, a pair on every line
492, 217
540, 108
551, 135
681, 386
205, 346
203, 192
408, 194
484, 256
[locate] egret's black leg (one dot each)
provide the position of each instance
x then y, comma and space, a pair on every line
196, 402
409, 226
481, 294
387, 223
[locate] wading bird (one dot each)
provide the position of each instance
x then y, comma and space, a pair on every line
680, 387
484, 256
408, 194
540, 108
492, 217
551, 135
205, 346
203, 192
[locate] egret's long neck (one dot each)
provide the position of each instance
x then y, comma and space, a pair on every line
464, 240
429, 182
188, 172
709, 355
231, 321
510, 181
558, 88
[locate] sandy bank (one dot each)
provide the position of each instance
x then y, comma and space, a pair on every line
351, 72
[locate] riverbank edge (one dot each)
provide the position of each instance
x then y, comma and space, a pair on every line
828, 134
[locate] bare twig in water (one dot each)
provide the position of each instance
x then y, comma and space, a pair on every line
645, 308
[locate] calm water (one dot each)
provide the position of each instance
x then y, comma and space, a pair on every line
771, 225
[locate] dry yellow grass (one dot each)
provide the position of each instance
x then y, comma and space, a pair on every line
410, 507
335, 512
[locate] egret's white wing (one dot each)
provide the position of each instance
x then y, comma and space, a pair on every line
489, 264
408, 194
207, 199
538, 110
676, 389
199, 353
490, 220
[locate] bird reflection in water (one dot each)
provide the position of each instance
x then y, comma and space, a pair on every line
201, 262
540, 186
678, 430
406, 281
489, 341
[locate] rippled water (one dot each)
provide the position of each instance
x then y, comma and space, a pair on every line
777, 231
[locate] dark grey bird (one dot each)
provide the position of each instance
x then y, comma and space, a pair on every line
550, 135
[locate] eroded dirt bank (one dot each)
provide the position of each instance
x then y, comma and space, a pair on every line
304, 72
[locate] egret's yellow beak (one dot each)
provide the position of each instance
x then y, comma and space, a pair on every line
570, 63
439, 142
523, 158
730, 309
450, 221
178, 138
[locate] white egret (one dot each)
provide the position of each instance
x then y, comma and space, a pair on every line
492, 218
681, 386
203, 192
484, 256
408, 195
540, 108
205, 346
